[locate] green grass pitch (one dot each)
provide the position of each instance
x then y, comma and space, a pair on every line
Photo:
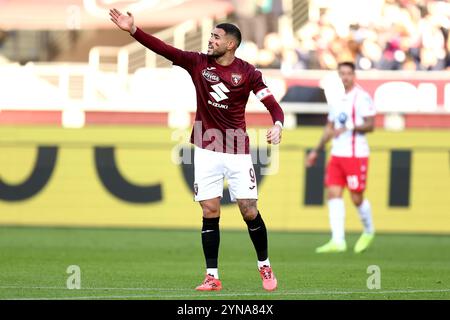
168, 264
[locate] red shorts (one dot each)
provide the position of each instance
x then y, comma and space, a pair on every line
350, 172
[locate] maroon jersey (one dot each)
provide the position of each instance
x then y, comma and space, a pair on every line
222, 94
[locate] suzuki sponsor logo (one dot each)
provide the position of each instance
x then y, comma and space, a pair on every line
219, 92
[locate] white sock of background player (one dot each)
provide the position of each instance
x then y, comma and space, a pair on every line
336, 209
365, 213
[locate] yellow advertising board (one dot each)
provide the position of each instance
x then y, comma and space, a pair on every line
126, 177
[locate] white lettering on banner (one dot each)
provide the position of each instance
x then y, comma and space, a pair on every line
447, 97
394, 96
402, 95
219, 92
427, 94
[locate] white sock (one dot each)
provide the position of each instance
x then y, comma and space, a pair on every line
263, 263
213, 272
336, 209
365, 213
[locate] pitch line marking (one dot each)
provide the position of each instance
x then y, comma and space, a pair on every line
193, 295
97, 289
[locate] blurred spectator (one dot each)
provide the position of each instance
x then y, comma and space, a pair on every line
379, 34
245, 10
3, 36
271, 10
256, 18
447, 48
267, 59
248, 50
249, 21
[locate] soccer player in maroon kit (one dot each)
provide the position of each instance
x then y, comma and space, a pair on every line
223, 84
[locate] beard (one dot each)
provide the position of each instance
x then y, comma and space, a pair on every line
217, 53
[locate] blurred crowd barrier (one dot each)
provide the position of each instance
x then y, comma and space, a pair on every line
76, 95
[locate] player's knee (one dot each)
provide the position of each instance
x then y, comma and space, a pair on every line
209, 212
357, 203
357, 199
334, 192
210, 209
248, 209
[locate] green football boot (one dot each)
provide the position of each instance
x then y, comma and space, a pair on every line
364, 242
332, 247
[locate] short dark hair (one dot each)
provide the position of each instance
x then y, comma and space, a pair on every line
232, 30
349, 64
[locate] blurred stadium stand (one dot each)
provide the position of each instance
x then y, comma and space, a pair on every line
78, 69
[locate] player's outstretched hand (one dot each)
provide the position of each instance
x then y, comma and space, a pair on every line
274, 135
124, 22
311, 158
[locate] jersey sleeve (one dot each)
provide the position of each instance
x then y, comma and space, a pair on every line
262, 92
366, 106
188, 60
184, 59
258, 86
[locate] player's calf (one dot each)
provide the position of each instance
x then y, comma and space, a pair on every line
248, 209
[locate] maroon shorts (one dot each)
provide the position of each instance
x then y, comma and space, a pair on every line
350, 172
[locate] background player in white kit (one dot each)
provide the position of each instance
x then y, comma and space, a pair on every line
350, 117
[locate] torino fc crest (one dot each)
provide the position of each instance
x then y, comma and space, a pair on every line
236, 78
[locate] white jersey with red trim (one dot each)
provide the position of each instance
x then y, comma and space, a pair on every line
350, 112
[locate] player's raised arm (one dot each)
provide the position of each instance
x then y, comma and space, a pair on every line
126, 23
